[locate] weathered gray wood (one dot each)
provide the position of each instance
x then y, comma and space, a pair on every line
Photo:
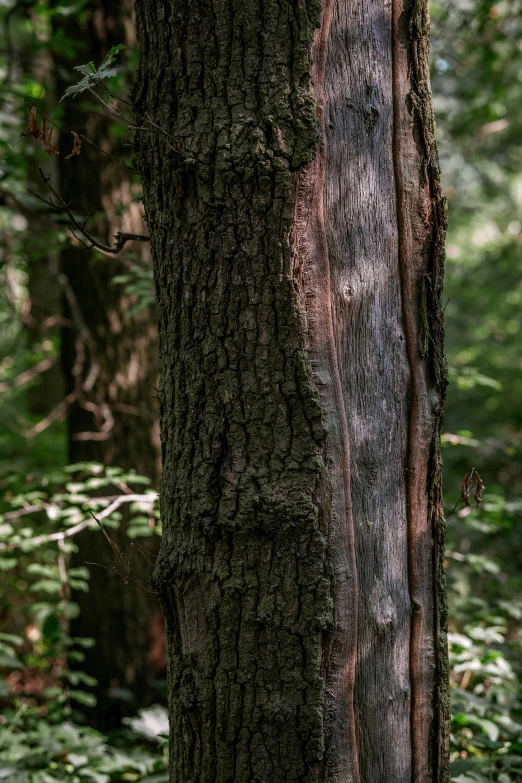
363, 242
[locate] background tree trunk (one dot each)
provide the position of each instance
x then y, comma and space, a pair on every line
297, 231
114, 421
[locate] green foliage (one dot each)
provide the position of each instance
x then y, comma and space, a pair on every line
485, 642
36, 749
92, 76
42, 738
138, 283
477, 61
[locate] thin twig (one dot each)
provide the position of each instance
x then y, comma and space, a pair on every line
22, 512
59, 413
115, 112
85, 139
108, 154
59, 205
26, 376
104, 415
127, 574
70, 532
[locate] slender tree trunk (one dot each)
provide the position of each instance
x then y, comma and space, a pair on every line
111, 359
297, 228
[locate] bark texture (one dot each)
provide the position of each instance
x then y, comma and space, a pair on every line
110, 360
297, 231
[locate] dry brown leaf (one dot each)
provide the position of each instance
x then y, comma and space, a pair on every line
47, 140
32, 129
467, 483
479, 489
77, 146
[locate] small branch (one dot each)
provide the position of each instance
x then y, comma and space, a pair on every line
78, 229
21, 512
60, 412
26, 376
126, 572
146, 554
62, 661
120, 500
104, 415
108, 154
85, 139
70, 532
59, 536
114, 111
116, 97
76, 311
132, 410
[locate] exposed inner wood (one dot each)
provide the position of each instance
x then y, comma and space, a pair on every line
363, 241
312, 271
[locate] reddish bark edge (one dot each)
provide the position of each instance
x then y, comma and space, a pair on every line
421, 229
311, 239
318, 72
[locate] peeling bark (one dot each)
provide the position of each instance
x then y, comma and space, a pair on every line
297, 233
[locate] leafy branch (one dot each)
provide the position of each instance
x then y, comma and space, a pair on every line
92, 76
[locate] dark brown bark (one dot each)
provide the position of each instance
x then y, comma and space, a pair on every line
114, 420
297, 236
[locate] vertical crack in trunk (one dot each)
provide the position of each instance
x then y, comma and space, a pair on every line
413, 455
421, 225
350, 641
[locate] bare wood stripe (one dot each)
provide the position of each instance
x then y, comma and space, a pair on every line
350, 652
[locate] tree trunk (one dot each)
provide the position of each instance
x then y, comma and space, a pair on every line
297, 227
113, 419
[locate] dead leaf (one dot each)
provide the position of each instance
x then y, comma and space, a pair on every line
77, 146
467, 483
479, 489
47, 140
32, 129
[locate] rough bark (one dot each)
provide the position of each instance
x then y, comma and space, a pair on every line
114, 420
297, 235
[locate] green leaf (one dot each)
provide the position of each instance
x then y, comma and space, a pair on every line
86, 467
6, 563
97, 777
83, 641
88, 699
11, 638
10, 661
139, 532
79, 584
51, 629
42, 570
93, 76
79, 572
76, 677
47, 586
